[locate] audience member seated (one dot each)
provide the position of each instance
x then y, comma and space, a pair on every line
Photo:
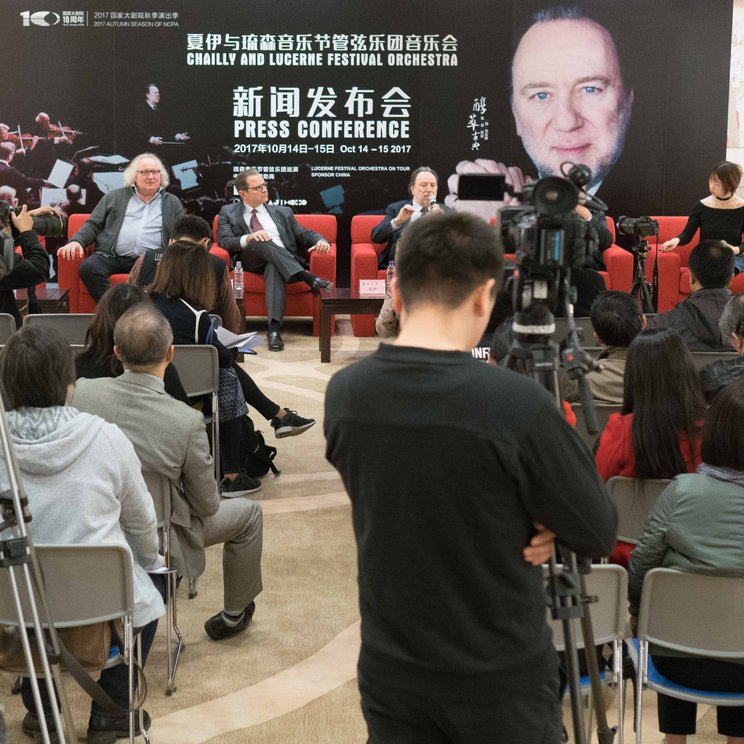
84, 486
657, 432
696, 525
128, 221
182, 290
617, 319
171, 439
696, 318
717, 375
98, 359
195, 230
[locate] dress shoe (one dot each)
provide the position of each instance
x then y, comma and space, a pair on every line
275, 341
104, 728
217, 629
319, 284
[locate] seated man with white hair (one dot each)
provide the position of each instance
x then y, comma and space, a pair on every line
125, 223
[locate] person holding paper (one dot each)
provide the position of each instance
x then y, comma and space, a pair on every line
195, 230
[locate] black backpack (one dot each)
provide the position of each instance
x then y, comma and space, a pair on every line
257, 456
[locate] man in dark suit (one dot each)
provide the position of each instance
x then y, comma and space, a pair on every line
152, 122
267, 238
423, 190
10, 176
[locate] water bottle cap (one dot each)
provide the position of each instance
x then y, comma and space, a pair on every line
238, 265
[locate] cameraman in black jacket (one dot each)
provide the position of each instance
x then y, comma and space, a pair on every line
18, 272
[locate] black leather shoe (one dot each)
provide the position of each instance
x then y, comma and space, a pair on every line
217, 629
275, 341
106, 729
319, 284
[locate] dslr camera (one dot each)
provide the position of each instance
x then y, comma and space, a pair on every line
47, 225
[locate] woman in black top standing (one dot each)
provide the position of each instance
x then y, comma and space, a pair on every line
719, 216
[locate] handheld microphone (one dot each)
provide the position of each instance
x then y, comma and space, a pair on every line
433, 202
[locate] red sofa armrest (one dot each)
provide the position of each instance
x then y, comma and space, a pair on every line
324, 264
619, 263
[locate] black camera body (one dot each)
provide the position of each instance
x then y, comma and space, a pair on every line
640, 227
545, 233
46, 225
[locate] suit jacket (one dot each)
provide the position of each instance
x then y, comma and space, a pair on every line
169, 438
104, 224
10, 176
387, 233
231, 227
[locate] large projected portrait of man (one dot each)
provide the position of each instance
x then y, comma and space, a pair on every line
568, 97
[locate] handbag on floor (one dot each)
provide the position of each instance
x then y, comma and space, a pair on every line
257, 456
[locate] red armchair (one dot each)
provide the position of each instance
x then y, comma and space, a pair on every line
300, 300
69, 271
365, 253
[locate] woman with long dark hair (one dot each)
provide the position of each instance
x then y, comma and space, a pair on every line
183, 289
696, 525
97, 359
657, 432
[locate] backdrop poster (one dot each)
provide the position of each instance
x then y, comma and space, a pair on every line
336, 103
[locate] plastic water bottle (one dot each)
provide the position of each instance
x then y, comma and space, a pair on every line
389, 276
238, 281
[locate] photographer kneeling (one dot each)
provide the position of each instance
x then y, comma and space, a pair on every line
18, 272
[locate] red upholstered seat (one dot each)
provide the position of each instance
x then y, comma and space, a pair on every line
301, 302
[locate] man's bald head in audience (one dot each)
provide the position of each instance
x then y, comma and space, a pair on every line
143, 338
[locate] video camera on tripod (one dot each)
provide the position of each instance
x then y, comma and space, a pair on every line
549, 239
641, 228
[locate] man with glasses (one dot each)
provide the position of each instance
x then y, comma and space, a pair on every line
266, 238
125, 223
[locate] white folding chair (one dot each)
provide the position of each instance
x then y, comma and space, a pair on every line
72, 326
634, 499
85, 585
609, 583
7, 327
160, 489
698, 614
199, 370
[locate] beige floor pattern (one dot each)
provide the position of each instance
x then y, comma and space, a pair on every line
291, 677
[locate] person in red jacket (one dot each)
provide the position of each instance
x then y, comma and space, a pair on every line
658, 432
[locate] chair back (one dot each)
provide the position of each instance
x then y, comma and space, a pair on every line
361, 229
603, 414
634, 499
585, 324
325, 224
704, 358
698, 614
73, 327
198, 367
7, 327
75, 222
85, 584
609, 583
160, 489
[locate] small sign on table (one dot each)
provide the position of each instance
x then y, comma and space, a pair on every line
368, 287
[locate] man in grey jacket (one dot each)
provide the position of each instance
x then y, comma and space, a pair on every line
170, 438
125, 223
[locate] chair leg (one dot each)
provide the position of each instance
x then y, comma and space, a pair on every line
192, 588
140, 711
171, 609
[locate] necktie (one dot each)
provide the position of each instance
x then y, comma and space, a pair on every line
425, 210
255, 225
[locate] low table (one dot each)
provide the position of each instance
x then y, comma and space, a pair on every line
343, 301
51, 299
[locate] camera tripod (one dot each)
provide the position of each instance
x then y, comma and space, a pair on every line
641, 289
567, 592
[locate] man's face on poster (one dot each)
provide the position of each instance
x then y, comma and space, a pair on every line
569, 100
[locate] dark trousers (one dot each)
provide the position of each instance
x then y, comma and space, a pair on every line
678, 716
278, 265
114, 681
395, 717
98, 267
253, 395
